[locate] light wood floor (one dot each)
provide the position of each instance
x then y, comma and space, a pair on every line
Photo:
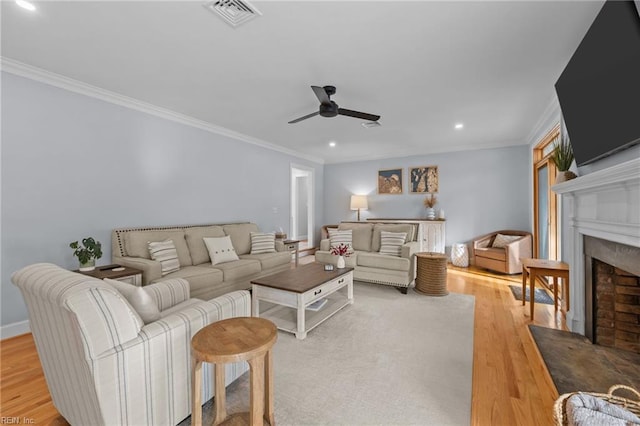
510, 383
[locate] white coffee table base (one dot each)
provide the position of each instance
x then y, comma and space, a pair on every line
288, 311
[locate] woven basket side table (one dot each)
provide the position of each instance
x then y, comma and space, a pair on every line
431, 275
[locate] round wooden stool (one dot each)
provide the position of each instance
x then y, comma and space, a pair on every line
431, 275
233, 340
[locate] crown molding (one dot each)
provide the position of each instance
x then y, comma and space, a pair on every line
549, 118
414, 153
38, 74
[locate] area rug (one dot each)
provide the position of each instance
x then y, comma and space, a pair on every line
388, 359
540, 295
575, 364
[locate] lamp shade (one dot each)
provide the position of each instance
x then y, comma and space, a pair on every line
359, 202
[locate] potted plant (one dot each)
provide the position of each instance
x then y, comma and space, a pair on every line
562, 157
87, 253
341, 250
429, 202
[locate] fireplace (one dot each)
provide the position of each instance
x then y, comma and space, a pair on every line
600, 214
612, 287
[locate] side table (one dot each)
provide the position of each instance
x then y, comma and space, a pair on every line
534, 268
431, 274
294, 247
128, 275
233, 340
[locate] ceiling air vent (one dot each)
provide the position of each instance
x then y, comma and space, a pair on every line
234, 12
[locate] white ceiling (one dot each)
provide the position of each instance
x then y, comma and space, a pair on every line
422, 66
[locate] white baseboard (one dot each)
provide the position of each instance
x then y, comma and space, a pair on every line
15, 329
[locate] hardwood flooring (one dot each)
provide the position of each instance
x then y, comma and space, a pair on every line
511, 385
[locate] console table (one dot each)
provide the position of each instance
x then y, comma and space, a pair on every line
431, 233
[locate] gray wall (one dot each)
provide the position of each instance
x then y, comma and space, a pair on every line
480, 191
74, 166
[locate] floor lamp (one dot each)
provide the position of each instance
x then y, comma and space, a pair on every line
359, 202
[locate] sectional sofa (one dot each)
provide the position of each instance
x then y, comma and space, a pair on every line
371, 266
129, 247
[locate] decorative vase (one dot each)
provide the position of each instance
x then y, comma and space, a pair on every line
460, 255
431, 213
90, 265
341, 263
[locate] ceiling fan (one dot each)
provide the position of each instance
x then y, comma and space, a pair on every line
329, 108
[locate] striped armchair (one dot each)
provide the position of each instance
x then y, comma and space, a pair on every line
102, 364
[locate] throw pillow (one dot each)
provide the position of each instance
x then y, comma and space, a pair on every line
220, 250
165, 253
501, 241
341, 237
391, 243
139, 300
263, 243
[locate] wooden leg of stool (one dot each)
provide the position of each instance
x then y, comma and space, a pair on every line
524, 284
555, 294
257, 390
268, 391
220, 397
196, 388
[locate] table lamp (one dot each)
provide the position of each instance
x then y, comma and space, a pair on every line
359, 202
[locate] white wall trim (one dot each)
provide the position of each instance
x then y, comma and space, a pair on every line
57, 80
549, 118
14, 329
416, 152
311, 195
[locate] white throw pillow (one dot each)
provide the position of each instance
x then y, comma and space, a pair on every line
139, 300
501, 241
165, 253
391, 243
341, 237
263, 243
220, 250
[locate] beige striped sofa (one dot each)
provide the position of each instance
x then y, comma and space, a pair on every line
371, 266
129, 247
102, 364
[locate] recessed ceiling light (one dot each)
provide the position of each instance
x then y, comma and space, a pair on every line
332, 144
25, 5
370, 124
459, 126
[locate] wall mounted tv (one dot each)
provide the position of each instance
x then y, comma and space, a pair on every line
599, 90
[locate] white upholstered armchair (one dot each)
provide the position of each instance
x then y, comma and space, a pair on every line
102, 364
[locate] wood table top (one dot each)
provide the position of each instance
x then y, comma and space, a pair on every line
301, 279
544, 264
234, 339
107, 271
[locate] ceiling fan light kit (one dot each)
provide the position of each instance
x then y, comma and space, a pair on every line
329, 108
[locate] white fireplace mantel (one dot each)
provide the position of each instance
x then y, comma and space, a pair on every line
604, 204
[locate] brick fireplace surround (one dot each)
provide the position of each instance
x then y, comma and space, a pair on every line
604, 205
612, 294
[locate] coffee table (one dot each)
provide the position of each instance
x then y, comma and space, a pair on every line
288, 294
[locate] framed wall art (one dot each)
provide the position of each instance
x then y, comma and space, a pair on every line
423, 179
390, 181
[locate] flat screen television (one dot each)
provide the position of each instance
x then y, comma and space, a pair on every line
599, 90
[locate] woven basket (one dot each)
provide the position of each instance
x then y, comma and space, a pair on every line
560, 411
431, 275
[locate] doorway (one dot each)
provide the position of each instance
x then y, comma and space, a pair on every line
545, 206
301, 225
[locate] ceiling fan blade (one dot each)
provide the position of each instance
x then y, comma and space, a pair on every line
357, 114
305, 117
321, 94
